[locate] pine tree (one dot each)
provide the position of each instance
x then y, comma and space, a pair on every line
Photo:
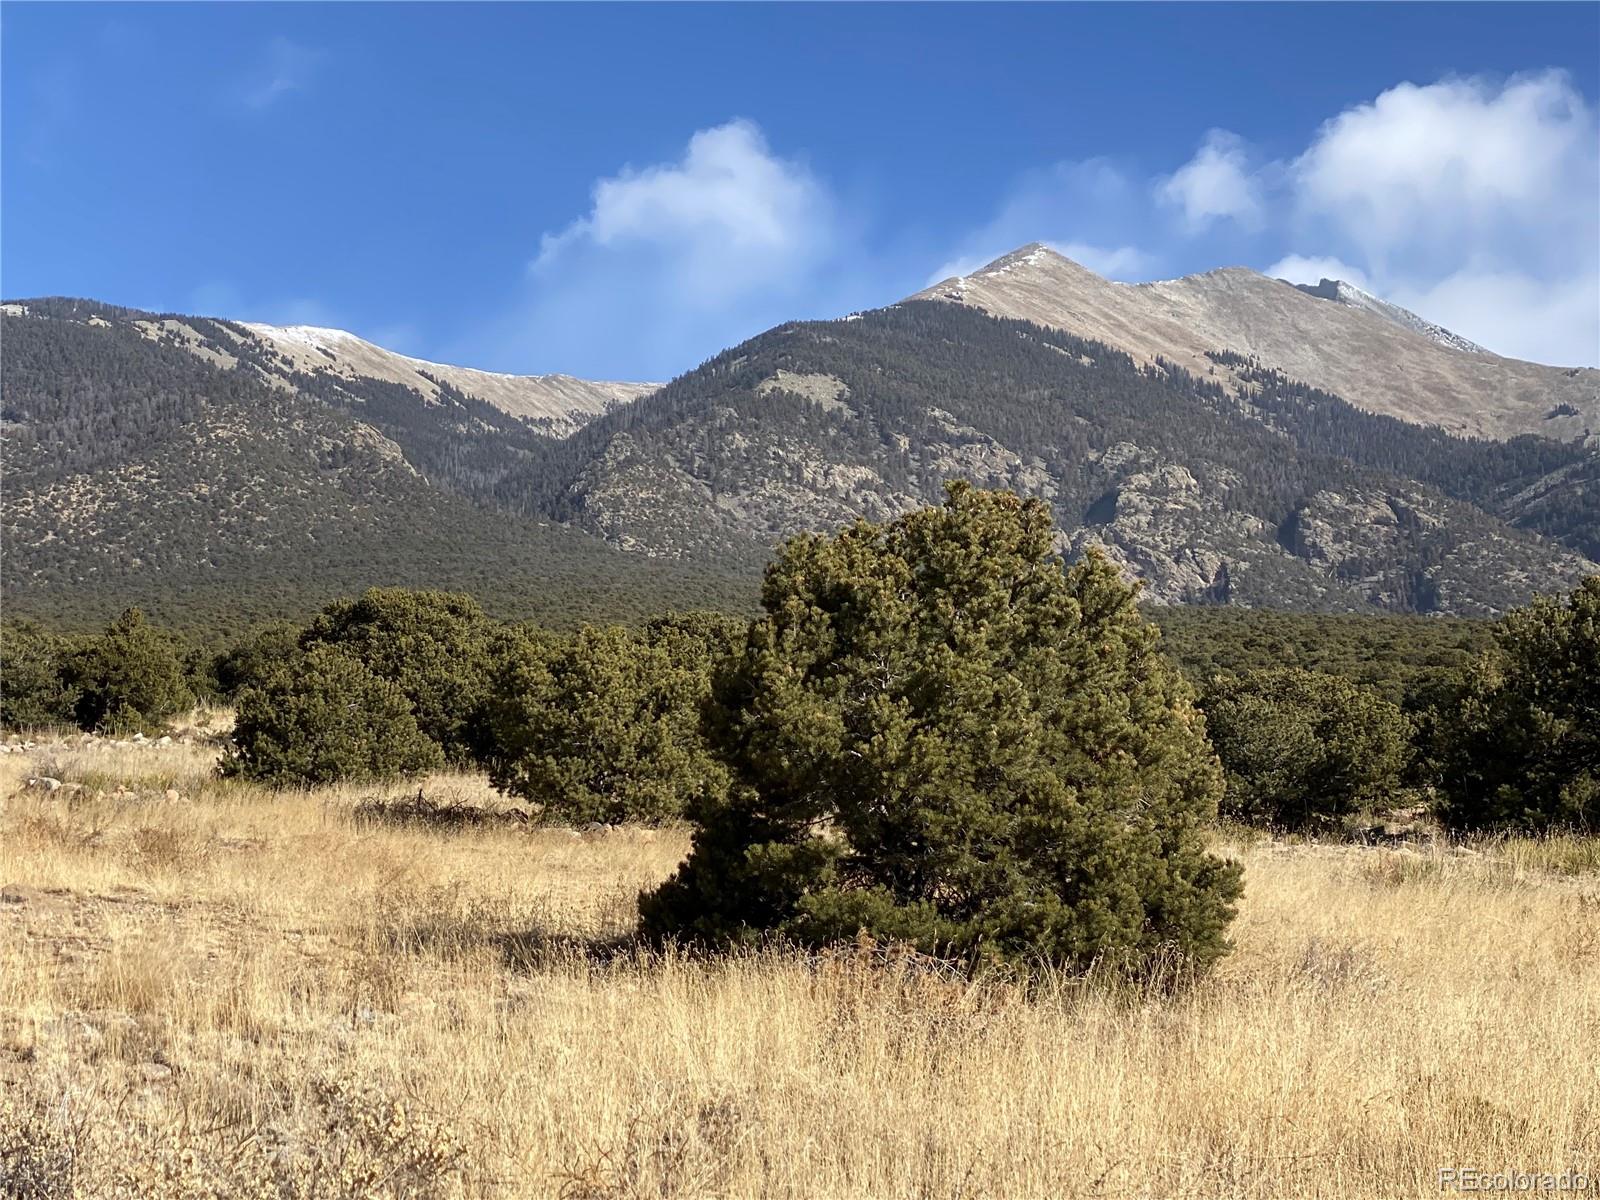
1303, 750
129, 677
434, 646
606, 727
1522, 749
252, 659
941, 736
35, 688
322, 718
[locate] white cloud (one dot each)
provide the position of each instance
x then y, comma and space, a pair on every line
727, 216
1300, 268
678, 260
1470, 201
1412, 174
1550, 321
1216, 184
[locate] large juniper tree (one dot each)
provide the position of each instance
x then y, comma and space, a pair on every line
1522, 748
1303, 750
129, 677
35, 677
606, 727
436, 647
323, 718
941, 735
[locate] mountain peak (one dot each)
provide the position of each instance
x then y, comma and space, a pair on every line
1024, 263
1334, 336
1033, 252
1040, 258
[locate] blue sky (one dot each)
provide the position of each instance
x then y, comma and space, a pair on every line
620, 191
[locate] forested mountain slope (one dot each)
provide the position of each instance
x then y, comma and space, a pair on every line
138, 470
1242, 487
179, 464
1375, 359
459, 440
336, 363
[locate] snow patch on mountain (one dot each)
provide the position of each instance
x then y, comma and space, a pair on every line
1349, 294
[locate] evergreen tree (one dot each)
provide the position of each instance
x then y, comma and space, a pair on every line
606, 727
941, 736
434, 646
322, 718
129, 677
34, 686
696, 641
1302, 750
1522, 750
252, 659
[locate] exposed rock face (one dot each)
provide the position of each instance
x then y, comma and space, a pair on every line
1159, 524
384, 449
1179, 536
1200, 487
658, 501
825, 390
1374, 359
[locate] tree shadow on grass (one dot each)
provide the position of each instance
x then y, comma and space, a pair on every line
528, 951
420, 811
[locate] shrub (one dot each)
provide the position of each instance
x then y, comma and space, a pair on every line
251, 660
434, 646
40, 1151
519, 656
35, 688
323, 718
129, 677
1430, 702
1522, 748
696, 641
606, 727
1302, 750
939, 735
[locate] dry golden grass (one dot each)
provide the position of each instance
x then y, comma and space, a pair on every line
209, 989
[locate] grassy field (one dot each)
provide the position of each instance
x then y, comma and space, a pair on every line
208, 989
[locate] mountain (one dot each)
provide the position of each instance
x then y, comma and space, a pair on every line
200, 468
469, 432
1235, 486
1351, 296
554, 404
282, 354
156, 460
1372, 355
